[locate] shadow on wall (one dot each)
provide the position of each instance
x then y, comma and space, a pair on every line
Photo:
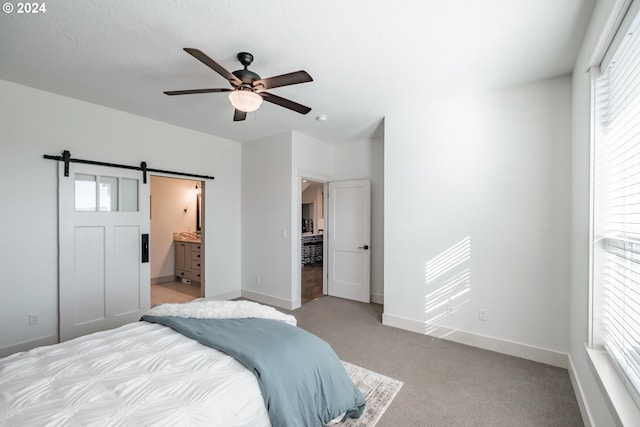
447, 280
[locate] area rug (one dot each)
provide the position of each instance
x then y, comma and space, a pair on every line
377, 389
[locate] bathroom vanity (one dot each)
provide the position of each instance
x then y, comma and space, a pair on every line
188, 256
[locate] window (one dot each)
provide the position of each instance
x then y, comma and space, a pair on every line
616, 207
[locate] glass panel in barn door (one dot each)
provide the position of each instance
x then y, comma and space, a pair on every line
85, 193
128, 195
108, 194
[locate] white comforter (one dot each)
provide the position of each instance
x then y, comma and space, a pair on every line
140, 374
219, 309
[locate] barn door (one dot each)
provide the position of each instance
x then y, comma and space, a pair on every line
103, 248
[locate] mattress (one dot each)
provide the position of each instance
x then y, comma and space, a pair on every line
140, 374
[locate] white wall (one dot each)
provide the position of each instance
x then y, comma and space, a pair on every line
267, 225
35, 123
271, 170
595, 411
311, 155
494, 169
169, 199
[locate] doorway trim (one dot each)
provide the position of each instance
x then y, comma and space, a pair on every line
202, 208
297, 236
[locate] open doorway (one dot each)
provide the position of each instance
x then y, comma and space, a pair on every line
312, 257
177, 232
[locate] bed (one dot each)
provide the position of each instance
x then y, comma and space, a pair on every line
148, 374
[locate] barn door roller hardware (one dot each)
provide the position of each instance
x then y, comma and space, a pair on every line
66, 158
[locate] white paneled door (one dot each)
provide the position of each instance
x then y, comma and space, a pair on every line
103, 218
349, 240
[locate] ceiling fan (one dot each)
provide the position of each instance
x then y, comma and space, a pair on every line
248, 88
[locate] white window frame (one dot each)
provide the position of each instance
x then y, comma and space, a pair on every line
619, 398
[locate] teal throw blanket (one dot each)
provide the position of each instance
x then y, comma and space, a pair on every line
303, 382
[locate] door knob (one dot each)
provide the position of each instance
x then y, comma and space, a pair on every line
365, 247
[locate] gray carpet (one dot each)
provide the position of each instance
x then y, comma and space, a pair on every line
445, 383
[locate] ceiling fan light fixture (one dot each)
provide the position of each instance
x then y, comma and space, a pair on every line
248, 90
245, 100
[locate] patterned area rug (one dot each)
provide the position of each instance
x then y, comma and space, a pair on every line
377, 389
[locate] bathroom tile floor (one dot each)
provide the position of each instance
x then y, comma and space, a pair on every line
173, 292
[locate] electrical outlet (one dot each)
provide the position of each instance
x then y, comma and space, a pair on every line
449, 308
482, 314
34, 319
258, 279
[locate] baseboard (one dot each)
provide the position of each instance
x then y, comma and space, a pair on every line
268, 299
525, 351
580, 396
28, 345
377, 299
165, 279
226, 296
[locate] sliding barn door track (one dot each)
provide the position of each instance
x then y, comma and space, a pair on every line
66, 158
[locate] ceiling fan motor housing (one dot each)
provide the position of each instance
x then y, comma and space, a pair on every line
247, 77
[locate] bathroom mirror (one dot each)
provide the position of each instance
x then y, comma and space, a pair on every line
307, 218
199, 207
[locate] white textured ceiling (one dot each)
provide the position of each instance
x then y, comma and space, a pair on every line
367, 57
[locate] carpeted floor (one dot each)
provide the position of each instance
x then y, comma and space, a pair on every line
445, 383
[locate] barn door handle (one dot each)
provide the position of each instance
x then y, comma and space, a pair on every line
145, 248
365, 247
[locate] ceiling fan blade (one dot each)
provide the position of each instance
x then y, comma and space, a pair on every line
202, 57
283, 80
192, 91
278, 100
238, 116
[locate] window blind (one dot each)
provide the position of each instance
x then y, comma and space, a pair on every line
617, 205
